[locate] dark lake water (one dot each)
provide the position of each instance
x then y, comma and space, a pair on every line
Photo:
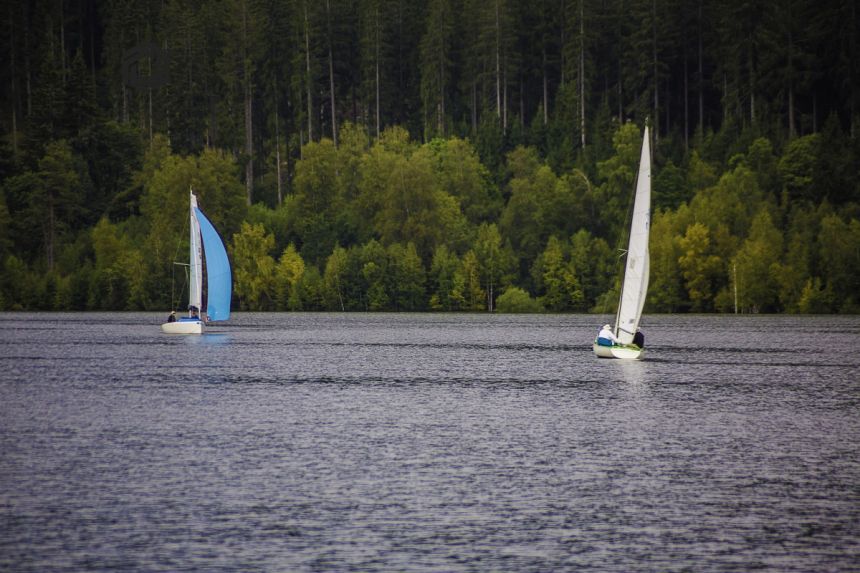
386, 442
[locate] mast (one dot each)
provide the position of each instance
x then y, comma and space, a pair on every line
195, 287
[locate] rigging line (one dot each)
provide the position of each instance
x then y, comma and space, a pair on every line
174, 301
179, 241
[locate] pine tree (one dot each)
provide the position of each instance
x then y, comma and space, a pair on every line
436, 48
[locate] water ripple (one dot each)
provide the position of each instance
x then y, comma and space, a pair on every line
427, 443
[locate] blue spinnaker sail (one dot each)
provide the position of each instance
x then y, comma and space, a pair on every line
217, 271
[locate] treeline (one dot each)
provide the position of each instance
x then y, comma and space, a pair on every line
391, 224
436, 155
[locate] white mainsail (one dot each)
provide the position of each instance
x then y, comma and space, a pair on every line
195, 293
636, 268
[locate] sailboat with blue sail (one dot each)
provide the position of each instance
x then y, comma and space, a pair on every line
206, 249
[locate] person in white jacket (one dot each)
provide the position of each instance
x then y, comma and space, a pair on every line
606, 337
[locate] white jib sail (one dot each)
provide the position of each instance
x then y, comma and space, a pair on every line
195, 291
637, 265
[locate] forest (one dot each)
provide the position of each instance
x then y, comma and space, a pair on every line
431, 155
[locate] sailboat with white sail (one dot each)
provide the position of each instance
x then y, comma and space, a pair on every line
206, 249
636, 270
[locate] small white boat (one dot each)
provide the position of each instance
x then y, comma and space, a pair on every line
183, 325
622, 351
204, 241
636, 268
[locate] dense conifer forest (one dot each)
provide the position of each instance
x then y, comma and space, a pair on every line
450, 155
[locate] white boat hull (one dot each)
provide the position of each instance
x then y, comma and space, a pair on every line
183, 327
623, 352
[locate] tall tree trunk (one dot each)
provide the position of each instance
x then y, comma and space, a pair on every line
278, 162
166, 46
852, 57
620, 94
141, 116
331, 74
440, 108
308, 71
150, 109
149, 97
14, 131
505, 90
561, 12
82, 33
752, 105
668, 121
209, 137
50, 231
791, 127
751, 59
814, 112
12, 81
92, 47
27, 68
278, 147
249, 139
123, 90
53, 97
582, 71
301, 144
498, 63
377, 70
522, 104
331, 91
686, 99
656, 82
249, 147
400, 57
545, 86
474, 106
701, 81
63, 42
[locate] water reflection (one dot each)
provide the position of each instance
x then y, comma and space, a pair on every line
632, 371
211, 339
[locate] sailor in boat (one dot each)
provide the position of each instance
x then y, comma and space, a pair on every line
606, 337
639, 338
172, 317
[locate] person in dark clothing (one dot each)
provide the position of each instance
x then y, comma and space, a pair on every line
172, 317
639, 339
